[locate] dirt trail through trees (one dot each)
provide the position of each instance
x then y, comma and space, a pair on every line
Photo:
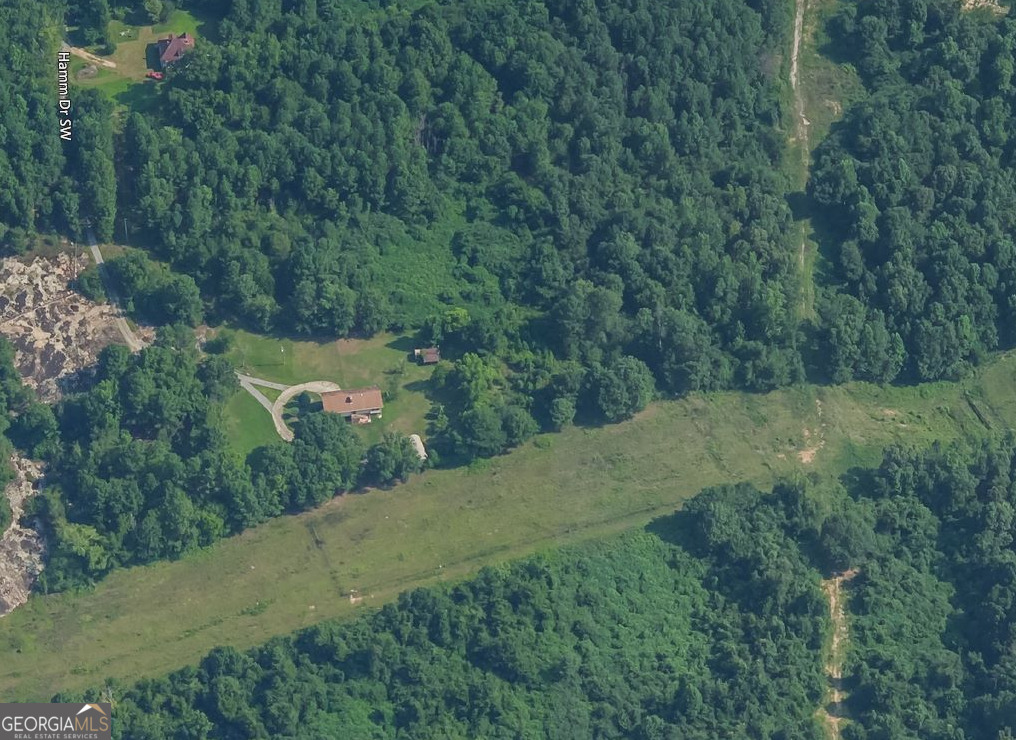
800, 136
832, 713
801, 122
129, 337
89, 56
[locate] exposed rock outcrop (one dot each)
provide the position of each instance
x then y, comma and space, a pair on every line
56, 332
21, 547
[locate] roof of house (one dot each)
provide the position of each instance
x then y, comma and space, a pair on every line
429, 354
352, 401
171, 49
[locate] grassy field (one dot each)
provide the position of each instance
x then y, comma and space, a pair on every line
381, 361
248, 424
445, 524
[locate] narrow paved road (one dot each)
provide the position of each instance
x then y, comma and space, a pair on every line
262, 382
258, 395
248, 383
129, 337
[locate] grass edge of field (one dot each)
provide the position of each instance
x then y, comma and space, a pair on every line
444, 525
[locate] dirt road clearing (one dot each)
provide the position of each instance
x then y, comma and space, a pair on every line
832, 713
89, 56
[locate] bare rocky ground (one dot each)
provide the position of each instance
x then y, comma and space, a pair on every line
21, 548
57, 333
833, 714
57, 336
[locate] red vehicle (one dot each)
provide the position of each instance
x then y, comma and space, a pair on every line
154, 75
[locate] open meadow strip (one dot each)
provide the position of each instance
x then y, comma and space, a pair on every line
446, 524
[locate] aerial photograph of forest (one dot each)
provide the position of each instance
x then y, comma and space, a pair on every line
508, 369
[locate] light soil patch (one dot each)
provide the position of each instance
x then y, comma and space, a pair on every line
21, 548
832, 713
991, 5
815, 439
800, 139
56, 332
90, 57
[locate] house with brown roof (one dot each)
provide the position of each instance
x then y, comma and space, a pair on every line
172, 48
359, 405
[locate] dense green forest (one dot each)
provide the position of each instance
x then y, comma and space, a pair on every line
584, 203
934, 603
914, 186
47, 183
584, 211
604, 189
603, 181
33, 192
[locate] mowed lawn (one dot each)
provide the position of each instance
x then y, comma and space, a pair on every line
446, 524
382, 360
126, 84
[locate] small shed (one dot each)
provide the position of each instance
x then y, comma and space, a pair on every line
421, 452
427, 355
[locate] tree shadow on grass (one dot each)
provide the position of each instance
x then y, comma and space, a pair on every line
859, 481
675, 529
140, 97
404, 344
152, 57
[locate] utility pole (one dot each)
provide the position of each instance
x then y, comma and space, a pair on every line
125, 238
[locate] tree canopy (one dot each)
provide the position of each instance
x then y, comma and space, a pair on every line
914, 186
36, 192
602, 181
